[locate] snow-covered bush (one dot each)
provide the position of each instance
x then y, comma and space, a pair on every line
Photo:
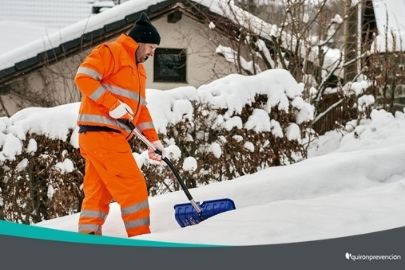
222, 151
36, 185
40, 166
233, 126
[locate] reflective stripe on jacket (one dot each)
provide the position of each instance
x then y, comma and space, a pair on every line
110, 73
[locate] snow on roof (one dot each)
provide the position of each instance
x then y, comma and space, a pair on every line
389, 17
18, 33
53, 14
220, 7
223, 8
73, 31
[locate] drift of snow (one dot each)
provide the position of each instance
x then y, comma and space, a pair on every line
350, 185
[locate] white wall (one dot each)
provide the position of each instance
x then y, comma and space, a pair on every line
203, 65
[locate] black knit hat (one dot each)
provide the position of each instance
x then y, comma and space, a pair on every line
143, 31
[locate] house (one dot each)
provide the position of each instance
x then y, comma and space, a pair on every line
41, 73
380, 32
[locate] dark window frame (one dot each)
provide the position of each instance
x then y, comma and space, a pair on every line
164, 62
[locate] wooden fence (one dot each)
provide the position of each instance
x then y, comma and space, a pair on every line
339, 115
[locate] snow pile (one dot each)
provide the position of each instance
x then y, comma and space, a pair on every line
352, 184
54, 123
381, 130
235, 91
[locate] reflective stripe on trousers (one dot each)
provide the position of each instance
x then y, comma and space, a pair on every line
112, 173
95, 219
131, 217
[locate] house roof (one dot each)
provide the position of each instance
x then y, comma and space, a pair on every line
53, 14
76, 37
100, 27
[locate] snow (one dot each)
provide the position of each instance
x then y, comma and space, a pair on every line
391, 25
365, 101
233, 122
234, 91
237, 138
173, 152
261, 45
22, 164
276, 129
306, 112
293, 132
348, 186
20, 33
32, 146
12, 146
357, 87
66, 166
249, 146
232, 56
75, 30
211, 25
190, 164
72, 31
53, 14
337, 19
50, 192
259, 121
225, 8
352, 183
215, 149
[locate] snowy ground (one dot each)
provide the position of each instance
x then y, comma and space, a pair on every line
351, 184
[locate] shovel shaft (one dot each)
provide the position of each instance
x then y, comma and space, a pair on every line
181, 182
140, 136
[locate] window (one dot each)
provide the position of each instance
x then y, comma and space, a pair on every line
169, 65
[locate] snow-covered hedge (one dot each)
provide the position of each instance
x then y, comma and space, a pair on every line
43, 182
233, 126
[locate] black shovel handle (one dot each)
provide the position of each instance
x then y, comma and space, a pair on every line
140, 136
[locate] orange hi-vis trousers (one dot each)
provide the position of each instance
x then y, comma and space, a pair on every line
112, 173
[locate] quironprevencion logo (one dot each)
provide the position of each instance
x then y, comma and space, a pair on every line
372, 257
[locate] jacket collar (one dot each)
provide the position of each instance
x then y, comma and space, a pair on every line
129, 45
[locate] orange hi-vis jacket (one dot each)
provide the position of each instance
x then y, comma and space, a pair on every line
107, 75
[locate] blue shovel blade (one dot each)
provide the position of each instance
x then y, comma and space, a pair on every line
186, 215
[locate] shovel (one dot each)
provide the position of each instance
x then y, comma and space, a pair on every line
191, 213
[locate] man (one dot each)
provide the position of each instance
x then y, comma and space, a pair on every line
112, 83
